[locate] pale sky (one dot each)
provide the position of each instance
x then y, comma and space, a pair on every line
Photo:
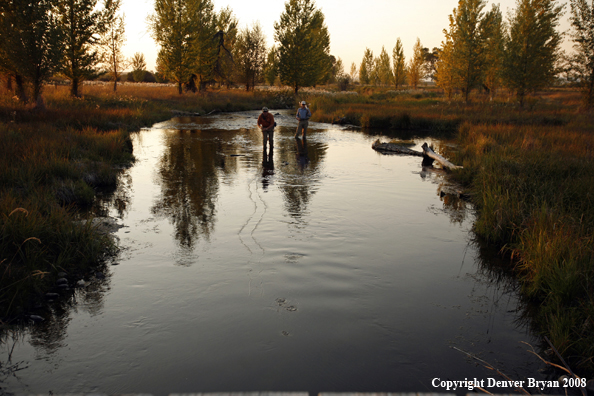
353, 25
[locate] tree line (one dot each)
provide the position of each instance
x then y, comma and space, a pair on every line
482, 50
79, 39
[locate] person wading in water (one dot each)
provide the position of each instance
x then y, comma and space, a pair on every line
266, 124
303, 115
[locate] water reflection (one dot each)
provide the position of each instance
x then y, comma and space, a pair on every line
301, 182
189, 185
267, 167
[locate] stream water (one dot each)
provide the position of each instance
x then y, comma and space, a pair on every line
320, 266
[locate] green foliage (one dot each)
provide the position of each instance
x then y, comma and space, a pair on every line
30, 41
399, 62
83, 22
250, 55
366, 68
227, 27
532, 46
384, 69
416, 69
271, 67
493, 33
184, 29
430, 61
582, 22
138, 64
469, 44
303, 44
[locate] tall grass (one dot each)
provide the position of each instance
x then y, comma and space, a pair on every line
533, 188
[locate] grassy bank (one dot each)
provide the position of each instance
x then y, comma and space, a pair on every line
533, 188
426, 109
52, 162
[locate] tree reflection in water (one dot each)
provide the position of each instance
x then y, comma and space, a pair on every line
189, 185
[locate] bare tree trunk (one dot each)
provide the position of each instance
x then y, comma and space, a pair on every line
20, 88
74, 88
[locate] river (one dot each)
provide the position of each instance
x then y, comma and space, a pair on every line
322, 266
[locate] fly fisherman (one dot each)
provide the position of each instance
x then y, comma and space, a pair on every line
303, 115
266, 124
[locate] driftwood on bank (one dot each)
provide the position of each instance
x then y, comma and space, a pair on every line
428, 154
428, 151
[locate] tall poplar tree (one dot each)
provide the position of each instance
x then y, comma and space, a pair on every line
303, 44
416, 69
532, 47
384, 68
582, 22
399, 64
366, 68
494, 34
469, 44
354, 72
112, 54
446, 66
83, 23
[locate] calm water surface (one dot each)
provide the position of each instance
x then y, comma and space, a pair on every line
320, 266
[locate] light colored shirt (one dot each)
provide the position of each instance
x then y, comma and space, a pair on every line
303, 113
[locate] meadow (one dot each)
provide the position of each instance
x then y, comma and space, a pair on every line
528, 172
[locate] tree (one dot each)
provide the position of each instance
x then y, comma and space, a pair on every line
303, 44
399, 63
384, 68
366, 68
416, 69
493, 33
271, 66
227, 29
112, 55
532, 47
30, 43
138, 64
446, 66
250, 55
582, 22
430, 58
469, 44
83, 23
354, 72
183, 29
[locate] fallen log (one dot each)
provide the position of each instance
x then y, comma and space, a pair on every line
179, 113
428, 151
394, 148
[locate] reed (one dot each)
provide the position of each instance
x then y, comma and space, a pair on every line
533, 188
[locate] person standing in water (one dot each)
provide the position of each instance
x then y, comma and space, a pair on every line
303, 115
266, 124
